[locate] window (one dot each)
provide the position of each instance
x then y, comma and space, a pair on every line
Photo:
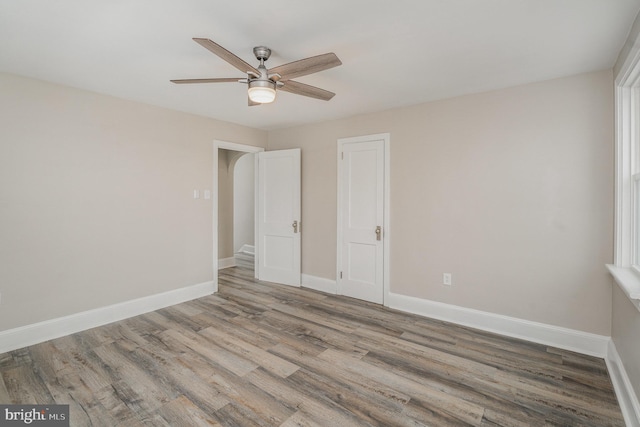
635, 263
626, 270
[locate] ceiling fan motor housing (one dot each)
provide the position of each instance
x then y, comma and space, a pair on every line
262, 53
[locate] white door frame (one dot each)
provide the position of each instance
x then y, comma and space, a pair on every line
217, 144
386, 233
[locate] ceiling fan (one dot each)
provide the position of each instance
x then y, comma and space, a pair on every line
263, 82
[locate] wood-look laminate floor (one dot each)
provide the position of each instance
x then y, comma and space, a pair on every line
259, 354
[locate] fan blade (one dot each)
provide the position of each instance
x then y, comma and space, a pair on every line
306, 90
182, 81
227, 56
251, 103
306, 66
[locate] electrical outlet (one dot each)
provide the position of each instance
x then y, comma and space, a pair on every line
446, 279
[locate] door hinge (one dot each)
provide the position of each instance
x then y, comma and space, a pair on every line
342, 155
341, 274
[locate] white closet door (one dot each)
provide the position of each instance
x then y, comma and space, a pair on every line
279, 216
361, 221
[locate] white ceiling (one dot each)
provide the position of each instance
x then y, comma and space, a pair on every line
394, 52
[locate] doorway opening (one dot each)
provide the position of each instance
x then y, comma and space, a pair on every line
233, 206
236, 207
243, 203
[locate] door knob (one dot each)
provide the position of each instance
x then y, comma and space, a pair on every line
378, 233
295, 226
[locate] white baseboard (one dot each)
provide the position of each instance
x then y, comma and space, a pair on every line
226, 263
24, 336
568, 339
319, 284
627, 397
247, 249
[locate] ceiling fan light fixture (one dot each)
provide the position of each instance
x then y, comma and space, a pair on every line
263, 82
262, 91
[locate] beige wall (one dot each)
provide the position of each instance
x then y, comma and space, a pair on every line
225, 203
96, 199
511, 191
244, 201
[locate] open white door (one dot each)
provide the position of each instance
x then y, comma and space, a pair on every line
361, 218
278, 217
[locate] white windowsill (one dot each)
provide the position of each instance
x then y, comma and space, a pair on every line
629, 282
